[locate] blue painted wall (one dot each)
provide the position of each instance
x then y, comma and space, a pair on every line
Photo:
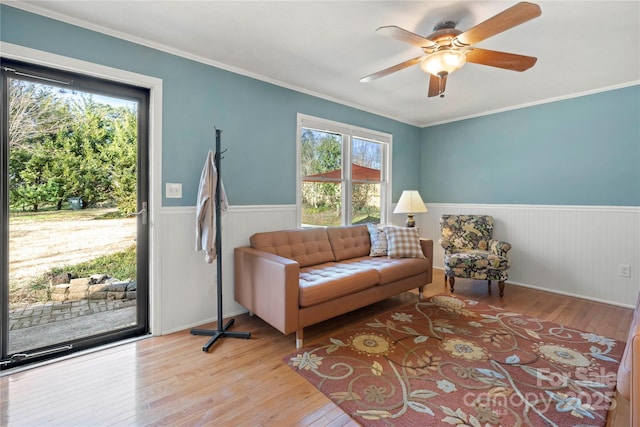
258, 120
580, 151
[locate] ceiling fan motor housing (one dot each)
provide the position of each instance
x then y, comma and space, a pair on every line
444, 25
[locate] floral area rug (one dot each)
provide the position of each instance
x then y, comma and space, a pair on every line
450, 361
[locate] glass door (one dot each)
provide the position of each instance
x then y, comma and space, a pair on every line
73, 198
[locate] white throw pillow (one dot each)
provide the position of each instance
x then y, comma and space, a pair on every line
403, 242
378, 240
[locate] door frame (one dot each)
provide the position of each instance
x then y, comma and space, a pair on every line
38, 57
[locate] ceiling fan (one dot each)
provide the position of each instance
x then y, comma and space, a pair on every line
448, 49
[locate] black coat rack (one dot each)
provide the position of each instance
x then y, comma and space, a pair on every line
221, 331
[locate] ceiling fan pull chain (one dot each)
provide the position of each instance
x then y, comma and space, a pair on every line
441, 77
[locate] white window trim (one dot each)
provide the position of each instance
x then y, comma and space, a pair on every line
306, 121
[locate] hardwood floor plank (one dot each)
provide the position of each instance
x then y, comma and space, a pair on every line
169, 380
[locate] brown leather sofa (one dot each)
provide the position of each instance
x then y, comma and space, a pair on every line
296, 278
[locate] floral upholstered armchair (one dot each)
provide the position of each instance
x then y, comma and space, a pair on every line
471, 252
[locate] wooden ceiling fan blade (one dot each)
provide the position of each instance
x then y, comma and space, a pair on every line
437, 85
406, 36
509, 18
387, 71
507, 61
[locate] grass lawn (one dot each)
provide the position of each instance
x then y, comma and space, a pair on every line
79, 242
331, 217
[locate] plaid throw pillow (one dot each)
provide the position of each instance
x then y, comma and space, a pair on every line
378, 240
403, 242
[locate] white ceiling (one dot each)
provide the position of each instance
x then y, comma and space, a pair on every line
325, 47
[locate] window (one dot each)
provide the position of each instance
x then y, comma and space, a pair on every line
343, 173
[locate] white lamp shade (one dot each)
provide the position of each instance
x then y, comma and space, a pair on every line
410, 202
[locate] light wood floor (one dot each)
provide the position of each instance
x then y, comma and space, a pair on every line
169, 380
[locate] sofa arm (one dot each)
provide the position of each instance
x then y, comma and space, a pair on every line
427, 248
499, 247
268, 286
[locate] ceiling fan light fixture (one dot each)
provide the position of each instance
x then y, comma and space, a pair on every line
443, 62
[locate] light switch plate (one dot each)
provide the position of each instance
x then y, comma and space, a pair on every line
173, 190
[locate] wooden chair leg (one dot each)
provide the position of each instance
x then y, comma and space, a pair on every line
420, 292
452, 282
501, 286
489, 286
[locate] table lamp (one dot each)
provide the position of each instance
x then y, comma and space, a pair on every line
410, 203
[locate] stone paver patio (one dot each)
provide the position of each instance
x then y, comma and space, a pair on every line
54, 311
42, 324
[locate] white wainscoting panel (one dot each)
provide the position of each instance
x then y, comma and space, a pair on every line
189, 293
572, 250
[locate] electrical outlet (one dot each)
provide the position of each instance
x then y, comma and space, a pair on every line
624, 270
173, 191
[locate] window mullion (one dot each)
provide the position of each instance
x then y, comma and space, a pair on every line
384, 187
346, 180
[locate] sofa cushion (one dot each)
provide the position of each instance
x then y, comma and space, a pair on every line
378, 240
477, 260
393, 269
350, 241
403, 242
308, 246
332, 280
